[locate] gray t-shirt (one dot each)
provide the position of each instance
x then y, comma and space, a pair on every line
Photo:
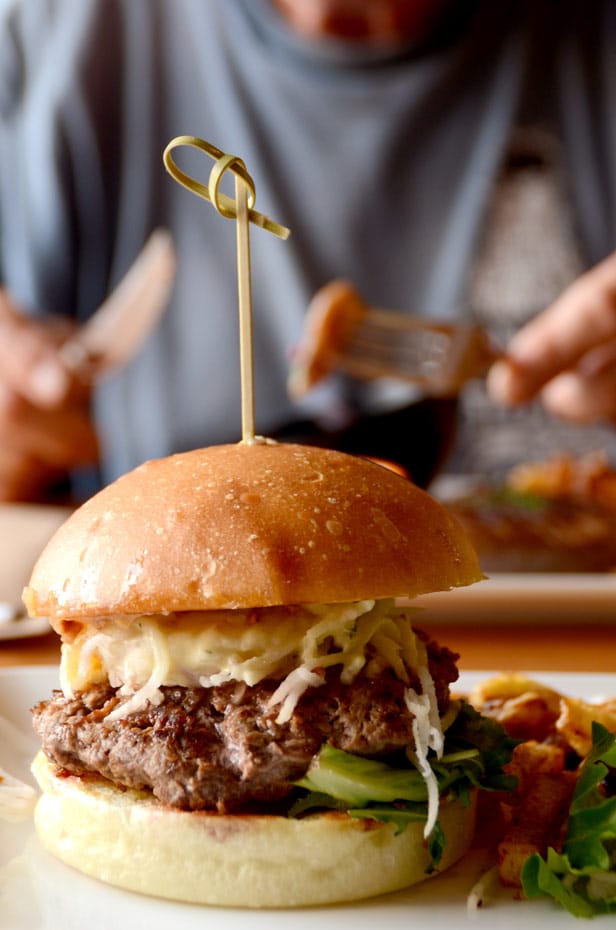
383, 165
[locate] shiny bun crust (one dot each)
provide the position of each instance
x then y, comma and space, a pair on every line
238, 526
236, 861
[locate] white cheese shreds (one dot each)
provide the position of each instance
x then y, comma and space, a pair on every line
289, 692
428, 734
293, 645
67, 656
149, 692
483, 890
436, 739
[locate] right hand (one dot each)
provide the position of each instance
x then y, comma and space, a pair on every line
45, 425
566, 356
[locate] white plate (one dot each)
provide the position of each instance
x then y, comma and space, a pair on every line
545, 598
24, 628
39, 893
24, 531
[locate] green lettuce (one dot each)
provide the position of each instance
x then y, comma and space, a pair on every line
582, 877
476, 749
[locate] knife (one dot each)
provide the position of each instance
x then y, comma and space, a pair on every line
126, 317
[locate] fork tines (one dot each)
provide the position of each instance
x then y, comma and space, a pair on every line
342, 332
438, 357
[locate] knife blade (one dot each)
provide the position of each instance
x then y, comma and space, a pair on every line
126, 317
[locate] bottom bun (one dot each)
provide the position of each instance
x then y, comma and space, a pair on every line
128, 839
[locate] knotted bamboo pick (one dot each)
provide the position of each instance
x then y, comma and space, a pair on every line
242, 211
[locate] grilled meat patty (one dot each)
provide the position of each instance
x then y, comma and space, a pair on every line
220, 748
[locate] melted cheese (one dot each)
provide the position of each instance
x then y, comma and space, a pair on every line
291, 644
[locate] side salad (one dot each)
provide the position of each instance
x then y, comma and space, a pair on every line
582, 876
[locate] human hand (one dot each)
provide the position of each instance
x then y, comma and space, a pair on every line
45, 424
566, 356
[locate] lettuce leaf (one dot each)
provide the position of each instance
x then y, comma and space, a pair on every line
476, 749
582, 877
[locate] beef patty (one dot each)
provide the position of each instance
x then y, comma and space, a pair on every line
220, 748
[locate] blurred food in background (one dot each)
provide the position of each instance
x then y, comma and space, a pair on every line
556, 515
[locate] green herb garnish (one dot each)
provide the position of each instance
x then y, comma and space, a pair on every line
476, 749
582, 877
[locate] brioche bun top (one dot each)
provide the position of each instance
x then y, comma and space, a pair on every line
237, 526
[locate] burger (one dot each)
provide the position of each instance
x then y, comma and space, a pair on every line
247, 715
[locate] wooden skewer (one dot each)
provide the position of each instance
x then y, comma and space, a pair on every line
240, 209
225, 205
244, 293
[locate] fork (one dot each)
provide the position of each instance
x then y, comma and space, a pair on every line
343, 333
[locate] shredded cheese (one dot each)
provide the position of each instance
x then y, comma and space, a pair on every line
483, 890
212, 648
289, 692
436, 738
150, 690
428, 734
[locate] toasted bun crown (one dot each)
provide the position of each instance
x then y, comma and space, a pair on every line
248, 526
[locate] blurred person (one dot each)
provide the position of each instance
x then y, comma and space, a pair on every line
379, 131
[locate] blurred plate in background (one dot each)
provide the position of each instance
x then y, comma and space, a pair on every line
537, 597
24, 531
